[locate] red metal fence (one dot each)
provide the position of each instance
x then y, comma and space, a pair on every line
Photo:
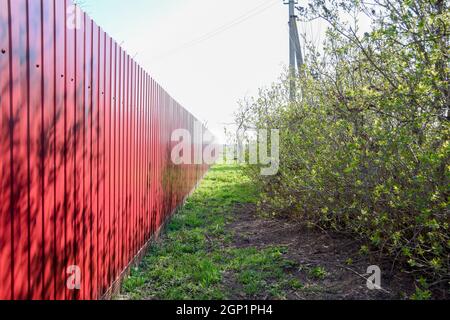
85, 169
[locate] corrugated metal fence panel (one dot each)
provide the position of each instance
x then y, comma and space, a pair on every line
85, 143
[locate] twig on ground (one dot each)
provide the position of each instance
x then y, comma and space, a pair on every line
361, 276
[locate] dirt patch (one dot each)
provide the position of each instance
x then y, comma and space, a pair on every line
327, 265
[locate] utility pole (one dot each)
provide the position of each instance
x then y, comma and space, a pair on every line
295, 50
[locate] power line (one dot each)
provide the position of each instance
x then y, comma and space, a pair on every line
246, 16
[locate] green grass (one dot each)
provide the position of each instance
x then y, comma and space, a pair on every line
260, 270
318, 273
195, 254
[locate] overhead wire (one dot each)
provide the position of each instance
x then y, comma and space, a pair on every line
241, 19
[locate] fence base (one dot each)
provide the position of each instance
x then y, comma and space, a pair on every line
114, 289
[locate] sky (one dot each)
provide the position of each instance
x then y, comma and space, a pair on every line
207, 54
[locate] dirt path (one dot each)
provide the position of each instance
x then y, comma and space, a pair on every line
327, 265
219, 247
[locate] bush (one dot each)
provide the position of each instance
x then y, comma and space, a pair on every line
365, 149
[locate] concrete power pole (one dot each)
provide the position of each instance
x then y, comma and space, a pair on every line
295, 50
